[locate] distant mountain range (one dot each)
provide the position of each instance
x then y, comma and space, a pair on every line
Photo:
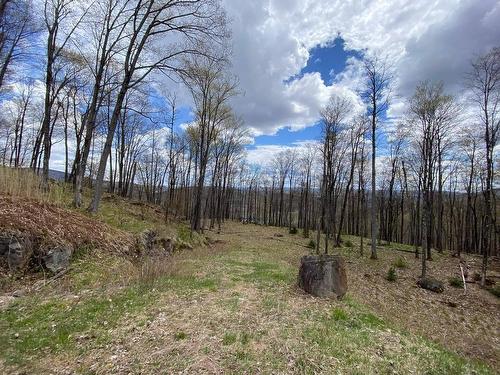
56, 175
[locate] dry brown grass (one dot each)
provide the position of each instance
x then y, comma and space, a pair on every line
468, 323
49, 224
152, 268
22, 182
252, 324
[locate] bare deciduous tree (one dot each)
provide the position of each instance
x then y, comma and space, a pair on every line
484, 80
377, 95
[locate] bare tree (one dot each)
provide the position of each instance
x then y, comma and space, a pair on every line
56, 14
153, 45
431, 110
484, 81
211, 88
282, 165
356, 134
376, 94
108, 25
333, 122
16, 28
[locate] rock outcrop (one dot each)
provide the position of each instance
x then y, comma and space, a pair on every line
150, 243
57, 259
431, 284
15, 251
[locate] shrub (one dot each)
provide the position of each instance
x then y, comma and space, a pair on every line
348, 243
391, 274
495, 290
456, 282
311, 244
400, 263
293, 230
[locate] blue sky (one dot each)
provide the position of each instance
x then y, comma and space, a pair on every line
285, 50
328, 60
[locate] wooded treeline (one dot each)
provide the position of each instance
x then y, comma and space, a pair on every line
428, 179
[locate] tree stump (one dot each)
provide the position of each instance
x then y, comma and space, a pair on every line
323, 275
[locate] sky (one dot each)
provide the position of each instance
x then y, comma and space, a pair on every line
292, 55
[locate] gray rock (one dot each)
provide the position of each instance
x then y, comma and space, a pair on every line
147, 240
18, 293
431, 284
15, 251
167, 245
323, 275
57, 259
151, 244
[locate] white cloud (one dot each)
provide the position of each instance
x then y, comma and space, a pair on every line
426, 39
264, 155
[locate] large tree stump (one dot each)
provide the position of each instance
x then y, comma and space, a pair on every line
323, 275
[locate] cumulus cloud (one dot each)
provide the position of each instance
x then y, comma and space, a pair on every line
426, 39
444, 51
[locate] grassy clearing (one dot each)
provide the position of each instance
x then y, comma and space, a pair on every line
232, 308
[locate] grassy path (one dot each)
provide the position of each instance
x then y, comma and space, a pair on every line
229, 308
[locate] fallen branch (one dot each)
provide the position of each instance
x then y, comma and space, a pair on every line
463, 279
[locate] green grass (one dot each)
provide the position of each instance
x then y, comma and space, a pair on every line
34, 325
245, 338
245, 298
348, 243
361, 342
261, 272
271, 303
122, 214
184, 233
339, 314
180, 336
229, 338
